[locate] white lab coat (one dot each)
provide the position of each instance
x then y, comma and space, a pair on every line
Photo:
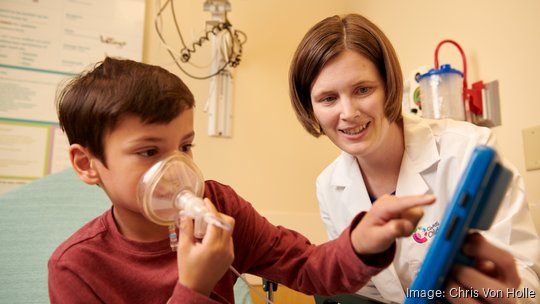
436, 153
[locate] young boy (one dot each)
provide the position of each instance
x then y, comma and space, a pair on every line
120, 119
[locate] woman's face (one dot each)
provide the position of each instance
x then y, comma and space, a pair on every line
348, 101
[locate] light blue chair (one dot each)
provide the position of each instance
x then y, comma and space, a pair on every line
34, 220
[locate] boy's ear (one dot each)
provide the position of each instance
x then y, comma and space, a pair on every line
81, 160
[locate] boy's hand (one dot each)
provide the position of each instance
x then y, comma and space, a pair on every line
202, 263
390, 217
495, 269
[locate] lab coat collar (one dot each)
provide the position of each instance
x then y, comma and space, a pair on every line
344, 173
420, 154
349, 184
420, 143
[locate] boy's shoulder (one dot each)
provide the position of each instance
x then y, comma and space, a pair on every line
86, 233
216, 190
224, 197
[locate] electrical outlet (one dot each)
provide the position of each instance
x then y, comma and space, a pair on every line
531, 146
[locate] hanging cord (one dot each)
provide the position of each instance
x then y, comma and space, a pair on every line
256, 291
232, 51
465, 85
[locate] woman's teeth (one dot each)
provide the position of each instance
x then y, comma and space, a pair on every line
355, 130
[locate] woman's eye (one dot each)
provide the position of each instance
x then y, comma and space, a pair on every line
148, 152
327, 99
363, 90
187, 148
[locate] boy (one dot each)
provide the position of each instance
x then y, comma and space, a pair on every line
120, 119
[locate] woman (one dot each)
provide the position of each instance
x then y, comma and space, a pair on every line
346, 83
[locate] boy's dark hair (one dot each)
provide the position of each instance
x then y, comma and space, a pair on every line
326, 40
91, 104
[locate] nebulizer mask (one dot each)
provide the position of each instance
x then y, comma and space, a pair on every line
174, 187
171, 188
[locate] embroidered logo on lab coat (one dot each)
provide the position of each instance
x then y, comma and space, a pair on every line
423, 234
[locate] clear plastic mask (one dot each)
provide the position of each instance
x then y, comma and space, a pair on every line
172, 187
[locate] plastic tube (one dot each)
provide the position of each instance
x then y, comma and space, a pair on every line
194, 207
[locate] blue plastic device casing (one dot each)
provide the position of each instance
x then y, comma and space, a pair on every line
473, 206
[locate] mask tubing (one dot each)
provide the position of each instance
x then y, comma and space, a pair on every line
194, 207
216, 221
255, 290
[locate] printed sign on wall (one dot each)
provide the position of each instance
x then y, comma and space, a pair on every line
42, 45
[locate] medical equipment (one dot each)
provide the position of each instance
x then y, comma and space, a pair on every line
444, 93
219, 31
226, 51
171, 188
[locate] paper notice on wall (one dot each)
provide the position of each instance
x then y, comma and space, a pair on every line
29, 150
45, 42
42, 45
28, 95
23, 150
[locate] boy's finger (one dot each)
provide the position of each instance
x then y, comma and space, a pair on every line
213, 231
398, 204
185, 230
210, 205
401, 228
229, 221
413, 215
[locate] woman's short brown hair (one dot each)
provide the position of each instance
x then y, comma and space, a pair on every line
327, 39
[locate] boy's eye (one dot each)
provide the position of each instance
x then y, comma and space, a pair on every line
187, 148
148, 152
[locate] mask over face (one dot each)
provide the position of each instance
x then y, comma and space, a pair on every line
174, 187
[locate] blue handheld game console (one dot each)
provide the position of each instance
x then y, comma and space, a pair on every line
474, 205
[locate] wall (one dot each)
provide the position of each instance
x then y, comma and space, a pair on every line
272, 161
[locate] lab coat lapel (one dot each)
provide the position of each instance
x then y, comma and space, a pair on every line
420, 154
410, 181
351, 190
348, 178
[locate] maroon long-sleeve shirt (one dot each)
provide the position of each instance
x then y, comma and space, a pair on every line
98, 265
